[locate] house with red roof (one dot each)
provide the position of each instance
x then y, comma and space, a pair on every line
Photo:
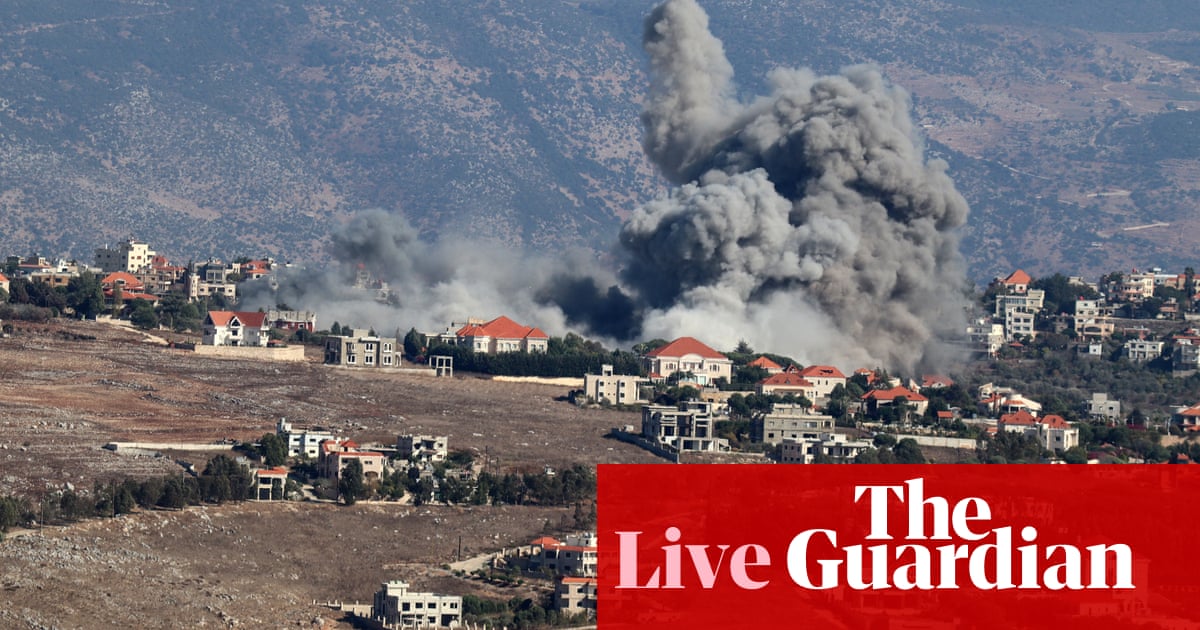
1017, 282
269, 483
877, 398
501, 335
574, 556
336, 455
1053, 432
687, 355
573, 595
4, 282
767, 364
236, 328
786, 383
824, 378
1187, 418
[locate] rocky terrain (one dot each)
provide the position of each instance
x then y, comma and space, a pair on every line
67, 388
1070, 127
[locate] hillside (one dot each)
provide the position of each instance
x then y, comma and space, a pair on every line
260, 127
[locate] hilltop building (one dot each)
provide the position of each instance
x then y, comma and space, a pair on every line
397, 607
687, 355
236, 328
500, 335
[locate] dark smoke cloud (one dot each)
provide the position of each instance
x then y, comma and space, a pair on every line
806, 222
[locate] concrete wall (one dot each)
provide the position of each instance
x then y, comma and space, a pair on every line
944, 442
565, 381
289, 353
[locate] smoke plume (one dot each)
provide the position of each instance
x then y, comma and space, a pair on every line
806, 222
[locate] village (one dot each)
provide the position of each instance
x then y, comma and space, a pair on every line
679, 400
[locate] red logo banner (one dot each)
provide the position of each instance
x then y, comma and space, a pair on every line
888, 546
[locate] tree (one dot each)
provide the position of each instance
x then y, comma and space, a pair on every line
414, 344
335, 329
908, 452
85, 295
142, 314
1075, 455
351, 485
273, 449
118, 300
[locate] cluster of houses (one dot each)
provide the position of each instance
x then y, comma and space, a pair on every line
332, 454
1018, 308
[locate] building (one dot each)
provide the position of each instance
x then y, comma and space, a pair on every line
876, 398
236, 328
1052, 432
501, 335
1103, 408
131, 256
789, 422
395, 605
786, 383
362, 349
573, 595
688, 427
767, 364
617, 389
210, 278
4, 283
1092, 318
824, 378
575, 555
1185, 358
1188, 418
1018, 312
270, 483
302, 442
160, 276
422, 448
836, 447
684, 356
986, 337
1142, 350
293, 320
1017, 282
336, 455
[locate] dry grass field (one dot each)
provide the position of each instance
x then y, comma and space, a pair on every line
67, 388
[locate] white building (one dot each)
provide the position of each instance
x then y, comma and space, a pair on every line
688, 427
130, 256
835, 446
790, 422
575, 555
236, 328
394, 604
687, 355
302, 442
986, 336
1018, 312
1142, 350
617, 389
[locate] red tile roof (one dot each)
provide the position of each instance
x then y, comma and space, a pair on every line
1018, 277
765, 363
1021, 417
893, 394
786, 379
822, 371
501, 328
278, 471
578, 580
1056, 422
3, 278
1191, 411
684, 346
936, 380
545, 541
249, 319
945, 414
123, 278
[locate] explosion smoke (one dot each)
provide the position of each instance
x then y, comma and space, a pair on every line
807, 222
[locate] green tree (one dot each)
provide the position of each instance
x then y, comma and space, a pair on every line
908, 452
142, 314
414, 344
85, 295
273, 449
1075, 455
352, 486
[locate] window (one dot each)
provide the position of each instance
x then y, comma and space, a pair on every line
369, 359
387, 360
350, 359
